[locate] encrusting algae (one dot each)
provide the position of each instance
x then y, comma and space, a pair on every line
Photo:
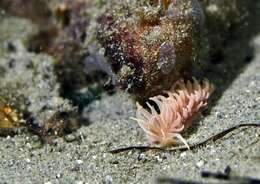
176, 112
10, 118
150, 44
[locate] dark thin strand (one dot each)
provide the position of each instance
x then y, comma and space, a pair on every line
227, 177
182, 148
177, 181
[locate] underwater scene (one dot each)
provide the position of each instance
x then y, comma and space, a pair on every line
129, 91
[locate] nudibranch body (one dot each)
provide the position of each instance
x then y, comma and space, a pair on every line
176, 112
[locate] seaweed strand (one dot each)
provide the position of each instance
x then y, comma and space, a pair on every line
183, 148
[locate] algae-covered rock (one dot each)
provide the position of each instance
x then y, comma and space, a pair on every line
71, 40
29, 84
13, 29
29, 91
34, 82
150, 43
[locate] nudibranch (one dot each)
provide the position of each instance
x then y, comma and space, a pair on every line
176, 112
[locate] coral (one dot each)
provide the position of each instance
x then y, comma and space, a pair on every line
150, 44
176, 111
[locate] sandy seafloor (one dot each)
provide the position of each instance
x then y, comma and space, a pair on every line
85, 157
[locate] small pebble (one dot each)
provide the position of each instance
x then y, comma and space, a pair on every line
158, 158
70, 138
27, 160
183, 154
200, 163
35, 138
219, 114
79, 162
142, 157
108, 179
79, 182
28, 145
114, 162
